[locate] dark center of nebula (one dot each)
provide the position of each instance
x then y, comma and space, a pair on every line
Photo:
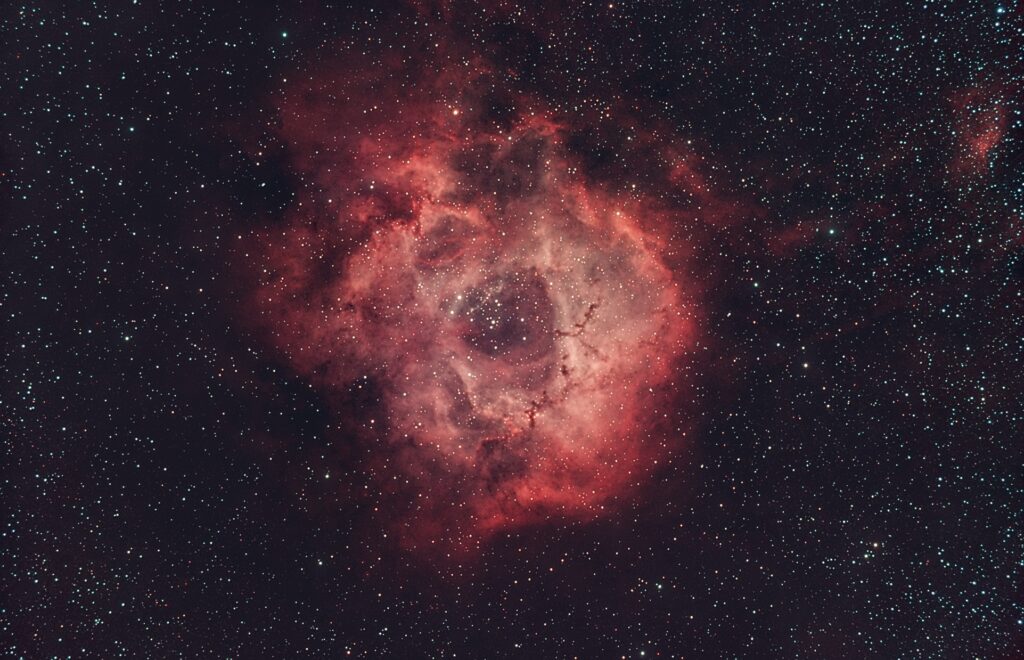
509, 316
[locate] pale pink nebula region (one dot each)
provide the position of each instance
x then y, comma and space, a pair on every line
528, 329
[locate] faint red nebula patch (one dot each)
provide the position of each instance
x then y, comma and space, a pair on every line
979, 118
527, 328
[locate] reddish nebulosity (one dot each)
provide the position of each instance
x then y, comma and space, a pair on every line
797, 235
526, 327
979, 115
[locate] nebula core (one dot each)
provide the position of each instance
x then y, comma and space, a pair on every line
525, 324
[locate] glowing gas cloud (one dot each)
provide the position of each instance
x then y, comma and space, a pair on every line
527, 326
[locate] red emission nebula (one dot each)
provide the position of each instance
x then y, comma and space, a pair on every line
527, 326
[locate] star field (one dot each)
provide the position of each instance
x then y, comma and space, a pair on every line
445, 329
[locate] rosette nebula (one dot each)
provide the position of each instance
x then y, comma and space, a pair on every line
502, 329
523, 324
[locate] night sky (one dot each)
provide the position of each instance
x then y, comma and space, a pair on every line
555, 330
